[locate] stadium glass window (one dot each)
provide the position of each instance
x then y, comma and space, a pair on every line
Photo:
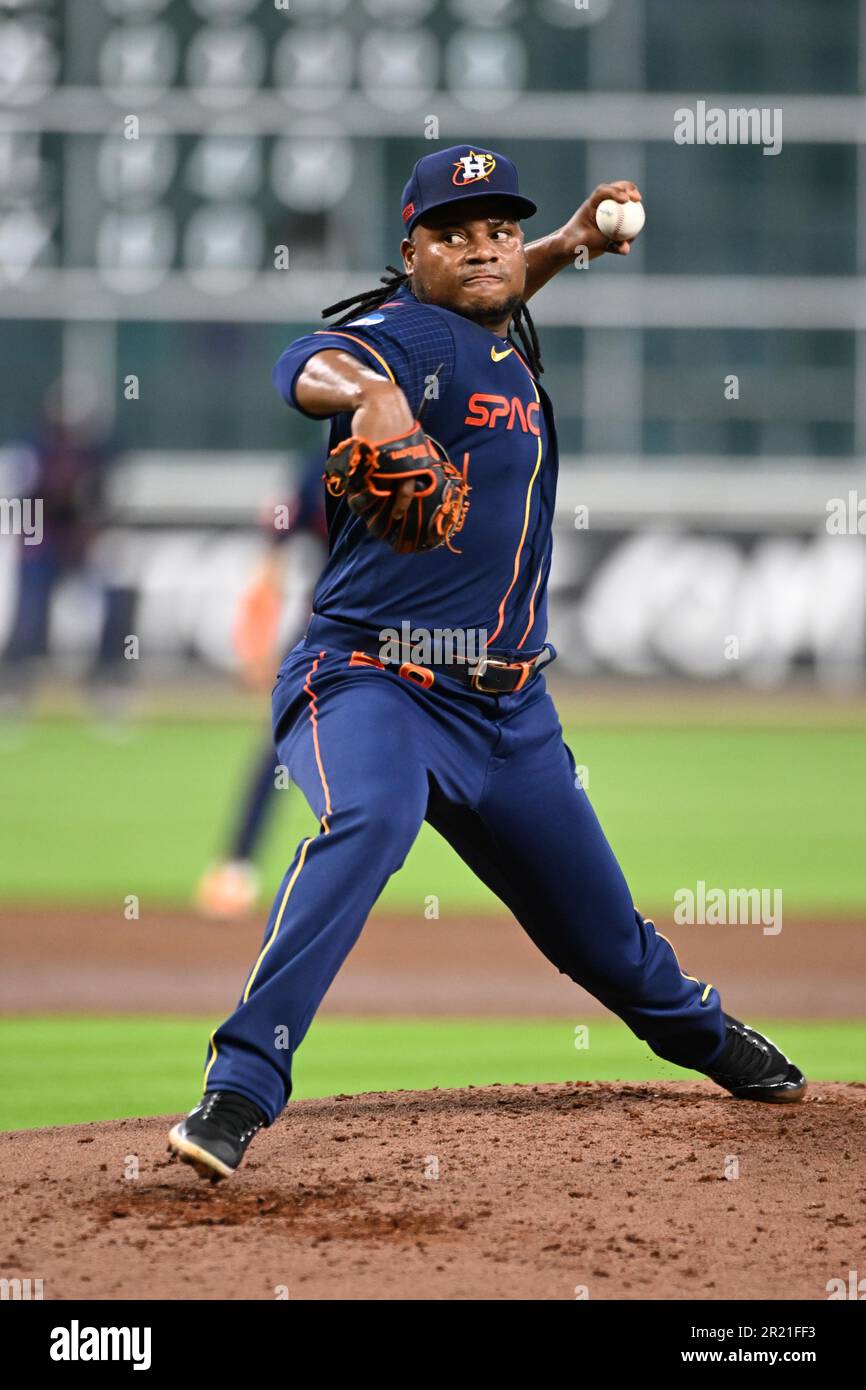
226, 65
483, 67
223, 247
26, 241
136, 172
313, 67
398, 69
23, 172
225, 167
29, 62
311, 175
135, 250
138, 63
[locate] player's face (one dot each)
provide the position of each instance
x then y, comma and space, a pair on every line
469, 258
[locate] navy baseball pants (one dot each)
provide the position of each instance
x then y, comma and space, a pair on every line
376, 755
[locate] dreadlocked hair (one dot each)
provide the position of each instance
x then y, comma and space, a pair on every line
521, 324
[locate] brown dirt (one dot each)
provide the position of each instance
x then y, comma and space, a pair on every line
94, 961
618, 1188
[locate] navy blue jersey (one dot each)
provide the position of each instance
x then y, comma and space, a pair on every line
474, 393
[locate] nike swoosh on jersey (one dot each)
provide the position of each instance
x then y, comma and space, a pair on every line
498, 356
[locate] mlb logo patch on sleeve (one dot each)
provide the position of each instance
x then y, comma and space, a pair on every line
363, 323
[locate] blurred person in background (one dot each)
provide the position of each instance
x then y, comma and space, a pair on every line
63, 470
229, 887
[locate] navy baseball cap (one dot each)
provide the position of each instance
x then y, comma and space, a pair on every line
463, 171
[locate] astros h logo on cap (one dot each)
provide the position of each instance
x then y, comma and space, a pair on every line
470, 167
458, 173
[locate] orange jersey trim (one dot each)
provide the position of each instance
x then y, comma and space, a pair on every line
333, 332
521, 358
315, 723
528, 627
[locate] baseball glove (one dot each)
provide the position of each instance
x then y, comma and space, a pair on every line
369, 475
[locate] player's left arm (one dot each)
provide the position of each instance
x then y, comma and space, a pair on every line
550, 254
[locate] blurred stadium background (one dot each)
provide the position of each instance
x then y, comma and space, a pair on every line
141, 314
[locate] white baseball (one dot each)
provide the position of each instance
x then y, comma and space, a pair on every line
619, 221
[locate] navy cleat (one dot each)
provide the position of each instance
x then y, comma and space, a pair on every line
751, 1067
215, 1135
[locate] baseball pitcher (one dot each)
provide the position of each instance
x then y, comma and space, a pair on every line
441, 482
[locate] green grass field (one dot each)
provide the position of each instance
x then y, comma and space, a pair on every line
85, 819
69, 1070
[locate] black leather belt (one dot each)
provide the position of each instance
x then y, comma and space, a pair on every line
494, 677
489, 675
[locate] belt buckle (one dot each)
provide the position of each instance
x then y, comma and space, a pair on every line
485, 663
476, 674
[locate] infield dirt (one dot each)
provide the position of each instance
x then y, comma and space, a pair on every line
668, 1190
81, 960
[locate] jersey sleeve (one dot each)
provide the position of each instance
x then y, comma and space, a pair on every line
408, 344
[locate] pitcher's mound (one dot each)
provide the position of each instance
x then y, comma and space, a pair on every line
645, 1190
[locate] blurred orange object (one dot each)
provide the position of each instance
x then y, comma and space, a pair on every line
257, 625
228, 890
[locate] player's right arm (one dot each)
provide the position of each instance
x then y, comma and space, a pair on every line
334, 381
372, 374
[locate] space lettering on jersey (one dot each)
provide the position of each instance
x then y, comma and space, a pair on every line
487, 409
